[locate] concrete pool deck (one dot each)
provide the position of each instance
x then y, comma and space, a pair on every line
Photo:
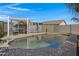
22, 35
31, 34
70, 43
66, 50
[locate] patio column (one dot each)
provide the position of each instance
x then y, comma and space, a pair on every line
37, 27
70, 28
27, 26
8, 25
11, 29
28, 40
18, 28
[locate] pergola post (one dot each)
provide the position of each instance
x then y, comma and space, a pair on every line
70, 28
37, 27
27, 33
18, 28
8, 25
27, 26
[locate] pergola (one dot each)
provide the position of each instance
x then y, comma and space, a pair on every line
10, 19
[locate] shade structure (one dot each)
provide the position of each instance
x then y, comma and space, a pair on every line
18, 19
10, 19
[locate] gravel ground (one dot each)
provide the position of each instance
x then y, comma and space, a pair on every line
66, 50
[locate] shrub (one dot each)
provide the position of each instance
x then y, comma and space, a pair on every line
2, 34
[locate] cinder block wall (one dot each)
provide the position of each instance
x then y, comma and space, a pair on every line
33, 28
47, 28
64, 29
74, 28
1, 27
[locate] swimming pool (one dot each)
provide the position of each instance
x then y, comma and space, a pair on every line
41, 41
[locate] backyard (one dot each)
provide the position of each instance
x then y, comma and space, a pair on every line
44, 33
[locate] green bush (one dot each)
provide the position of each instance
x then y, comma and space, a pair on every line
2, 34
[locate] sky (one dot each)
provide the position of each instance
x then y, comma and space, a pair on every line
37, 12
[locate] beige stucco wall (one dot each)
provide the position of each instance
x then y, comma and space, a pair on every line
63, 23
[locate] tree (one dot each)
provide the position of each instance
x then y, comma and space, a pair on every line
25, 24
75, 19
74, 7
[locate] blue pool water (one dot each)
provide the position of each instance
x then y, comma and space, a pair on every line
55, 43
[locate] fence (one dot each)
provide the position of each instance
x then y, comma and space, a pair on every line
73, 28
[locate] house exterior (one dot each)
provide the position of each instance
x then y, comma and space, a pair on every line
53, 22
48, 26
52, 26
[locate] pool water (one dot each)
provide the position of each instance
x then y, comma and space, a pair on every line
40, 41
55, 43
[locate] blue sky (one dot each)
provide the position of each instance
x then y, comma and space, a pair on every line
37, 12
